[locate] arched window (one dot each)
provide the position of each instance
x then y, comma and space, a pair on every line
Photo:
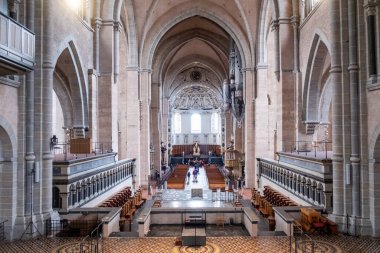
196, 123
215, 123
177, 123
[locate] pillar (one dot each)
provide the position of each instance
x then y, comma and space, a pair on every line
155, 131
337, 127
249, 125
144, 100
133, 118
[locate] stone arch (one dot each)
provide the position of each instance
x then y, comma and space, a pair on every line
316, 83
320, 195
374, 178
56, 198
267, 8
71, 87
152, 38
8, 174
181, 39
188, 63
73, 195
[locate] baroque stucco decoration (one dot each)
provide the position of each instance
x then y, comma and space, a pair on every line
196, 89
196, 98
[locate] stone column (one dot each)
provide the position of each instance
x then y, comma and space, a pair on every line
116, 43
337, 127
263, 105
93, 104
164, 122
29, 118
249, 121
42, 190
144, 153
133, 117
64, 196
275, 29
297, 77
155, 131
354, 107
108, 100
97, 23
286, 88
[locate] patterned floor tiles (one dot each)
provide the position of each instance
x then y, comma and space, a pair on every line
331, 244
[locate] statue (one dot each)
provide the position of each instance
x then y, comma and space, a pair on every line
163, 150
196, 149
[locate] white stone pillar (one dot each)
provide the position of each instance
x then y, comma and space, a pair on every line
144, 154
94, 105
249, 125
165, 123
133, 118
155, 131
264, 123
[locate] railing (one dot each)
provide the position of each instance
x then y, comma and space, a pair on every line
63, 151
302, 241
320, 149
2, 232
65, 228
92, 243
17, 43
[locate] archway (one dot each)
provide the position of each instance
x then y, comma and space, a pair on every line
317, 95
374, 179
70, 101
8, 176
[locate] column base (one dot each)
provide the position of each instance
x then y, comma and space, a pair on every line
24, 228
354, 226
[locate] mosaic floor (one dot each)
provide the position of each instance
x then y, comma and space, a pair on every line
331, 244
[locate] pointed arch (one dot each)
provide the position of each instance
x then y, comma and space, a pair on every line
71, 86
315, 80
264, 28
153, 35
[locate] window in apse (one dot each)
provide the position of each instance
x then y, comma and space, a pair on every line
177, 123
196, 123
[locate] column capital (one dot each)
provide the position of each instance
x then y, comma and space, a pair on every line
274, 25
97, 23
47, 64
142, 70
335, 69
117, 26
30, 157
249, 69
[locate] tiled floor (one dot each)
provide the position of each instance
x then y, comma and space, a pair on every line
236, 244
231, 239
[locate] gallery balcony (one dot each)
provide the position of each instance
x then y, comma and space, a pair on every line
312, 150
17, 47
